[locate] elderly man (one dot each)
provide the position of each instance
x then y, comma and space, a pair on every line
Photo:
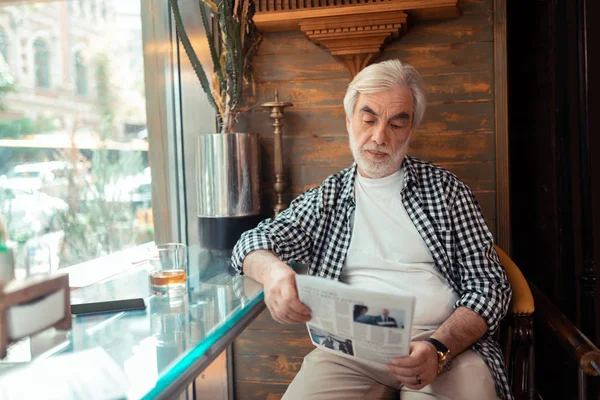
391, 222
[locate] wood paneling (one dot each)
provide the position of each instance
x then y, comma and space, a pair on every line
456, 60
501, 112
266, 368
324, 150
441, 88
432, 59
468, 28
450, 118
259, 390
259, 342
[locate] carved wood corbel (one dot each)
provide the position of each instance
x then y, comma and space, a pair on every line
355, 40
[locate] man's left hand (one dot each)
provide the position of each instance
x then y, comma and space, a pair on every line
419, 368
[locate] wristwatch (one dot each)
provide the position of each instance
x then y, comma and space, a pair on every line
443, 354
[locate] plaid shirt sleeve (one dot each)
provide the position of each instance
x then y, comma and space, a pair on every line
290, 235
484, 287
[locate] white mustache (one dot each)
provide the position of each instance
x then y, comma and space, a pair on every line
380, 149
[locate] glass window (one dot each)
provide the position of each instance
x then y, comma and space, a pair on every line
74, 173
42, 64
80, 75
3, 46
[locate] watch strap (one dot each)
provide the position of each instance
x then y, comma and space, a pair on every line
443, 353
439, 346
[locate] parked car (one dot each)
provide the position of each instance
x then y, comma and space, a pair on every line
133, 189
29, 211
50, 177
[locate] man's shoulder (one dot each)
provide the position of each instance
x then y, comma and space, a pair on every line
340, 177
331, 189
428, 173
337, 183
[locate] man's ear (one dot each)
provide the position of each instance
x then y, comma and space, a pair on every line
348, 124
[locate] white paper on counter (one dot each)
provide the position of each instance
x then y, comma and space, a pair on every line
89, 374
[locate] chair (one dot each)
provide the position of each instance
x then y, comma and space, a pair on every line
516, 336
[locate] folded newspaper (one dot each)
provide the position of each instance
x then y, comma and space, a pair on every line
355, 322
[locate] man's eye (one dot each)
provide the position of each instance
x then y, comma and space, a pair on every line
369, 121
397, 126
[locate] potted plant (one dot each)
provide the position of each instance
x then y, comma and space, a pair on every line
227, 163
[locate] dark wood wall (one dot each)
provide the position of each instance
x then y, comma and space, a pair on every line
555, 188
456, 59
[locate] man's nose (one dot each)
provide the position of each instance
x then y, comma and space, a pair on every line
379, 134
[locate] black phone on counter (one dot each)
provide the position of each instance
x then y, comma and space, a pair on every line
111, 306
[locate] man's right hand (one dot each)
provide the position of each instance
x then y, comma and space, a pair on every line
281, 296
279, 282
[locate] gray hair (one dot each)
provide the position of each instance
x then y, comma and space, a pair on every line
388, 75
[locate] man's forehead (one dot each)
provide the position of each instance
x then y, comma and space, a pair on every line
384, 102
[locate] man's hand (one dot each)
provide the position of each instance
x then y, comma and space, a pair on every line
279, 282
282, 299
419, 368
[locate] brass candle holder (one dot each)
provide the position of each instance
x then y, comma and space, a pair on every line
277, 108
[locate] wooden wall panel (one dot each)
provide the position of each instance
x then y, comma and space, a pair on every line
446, 118
258, 342
456, 59
259, 390
442, 147
266, 367
429, 59
305, 93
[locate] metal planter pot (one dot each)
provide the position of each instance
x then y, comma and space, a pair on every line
228, 187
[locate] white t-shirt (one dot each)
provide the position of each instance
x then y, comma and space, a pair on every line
387, 252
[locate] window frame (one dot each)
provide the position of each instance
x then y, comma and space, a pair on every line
174, 124
77, 65
45, 82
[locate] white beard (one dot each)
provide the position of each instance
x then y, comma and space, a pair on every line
377, 169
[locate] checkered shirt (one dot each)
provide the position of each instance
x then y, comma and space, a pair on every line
316, 230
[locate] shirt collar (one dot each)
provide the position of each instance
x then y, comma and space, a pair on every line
410, 178
348, 185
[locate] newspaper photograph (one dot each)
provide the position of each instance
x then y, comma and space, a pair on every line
355, 322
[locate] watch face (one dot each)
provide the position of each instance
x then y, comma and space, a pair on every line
445, 361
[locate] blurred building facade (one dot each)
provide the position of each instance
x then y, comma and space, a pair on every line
69, 64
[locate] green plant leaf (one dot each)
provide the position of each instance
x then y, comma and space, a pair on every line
212, 45
187, 45
235, 61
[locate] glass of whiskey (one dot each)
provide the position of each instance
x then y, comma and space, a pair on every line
168, 264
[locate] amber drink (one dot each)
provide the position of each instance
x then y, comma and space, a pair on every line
168, 269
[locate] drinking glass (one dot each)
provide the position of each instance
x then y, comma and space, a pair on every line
168, 269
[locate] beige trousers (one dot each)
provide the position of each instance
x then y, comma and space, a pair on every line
327, 376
